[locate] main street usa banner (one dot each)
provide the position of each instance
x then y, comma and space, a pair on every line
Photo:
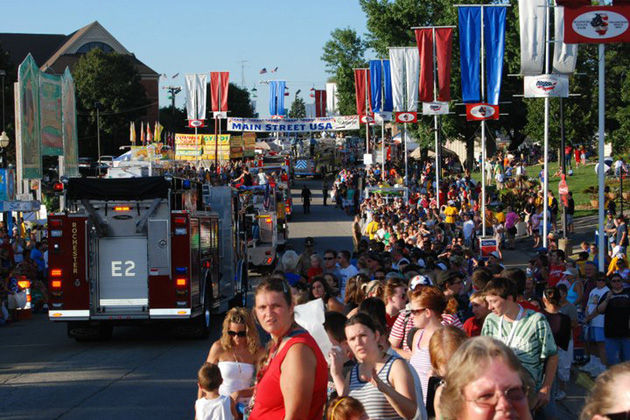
596, 24
293, 125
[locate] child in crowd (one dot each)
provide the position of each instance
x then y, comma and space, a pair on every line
212, 406
345, 408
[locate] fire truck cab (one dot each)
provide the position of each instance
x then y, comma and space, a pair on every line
140, 250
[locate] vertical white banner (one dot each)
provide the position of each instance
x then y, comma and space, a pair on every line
397, 63
202, 95
191, 95
332, 100
564, 55
412, 67
532, 19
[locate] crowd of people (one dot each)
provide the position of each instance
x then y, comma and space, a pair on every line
23, 267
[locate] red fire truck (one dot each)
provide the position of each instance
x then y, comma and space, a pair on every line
138, 250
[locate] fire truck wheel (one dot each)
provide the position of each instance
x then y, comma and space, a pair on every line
240, 300
201, 324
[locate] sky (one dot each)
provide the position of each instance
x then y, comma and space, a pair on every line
194, 36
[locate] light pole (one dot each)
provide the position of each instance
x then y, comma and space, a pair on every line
99, 108
4, 139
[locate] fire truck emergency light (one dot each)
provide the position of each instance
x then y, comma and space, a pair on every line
58, 187
55, 223
55, 272
181, 282
122, 208
24, 284
56, 284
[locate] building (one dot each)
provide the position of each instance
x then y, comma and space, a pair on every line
53, 53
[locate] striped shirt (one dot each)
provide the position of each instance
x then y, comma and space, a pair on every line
404, 324
374, 401
421, 362
532, 341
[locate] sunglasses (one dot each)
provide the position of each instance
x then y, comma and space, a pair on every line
415, 312
240, 334
328, 258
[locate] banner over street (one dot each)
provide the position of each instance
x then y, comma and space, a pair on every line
290, 125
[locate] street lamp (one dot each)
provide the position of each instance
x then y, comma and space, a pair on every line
99, 107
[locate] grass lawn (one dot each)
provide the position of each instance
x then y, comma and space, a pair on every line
582, 178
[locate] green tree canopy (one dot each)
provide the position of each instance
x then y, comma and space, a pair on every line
112, 80
298, 109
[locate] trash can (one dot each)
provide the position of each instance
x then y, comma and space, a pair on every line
565, 245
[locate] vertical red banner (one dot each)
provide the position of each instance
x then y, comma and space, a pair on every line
320, 103
424, 38
444, 56
219, 84
362, 89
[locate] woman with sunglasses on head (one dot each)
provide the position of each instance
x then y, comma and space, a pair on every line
427, 306
484, 380
237, 353
293, 381
609, 398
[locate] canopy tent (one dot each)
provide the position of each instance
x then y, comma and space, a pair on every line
261, 145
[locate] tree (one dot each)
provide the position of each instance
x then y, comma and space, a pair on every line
239, 105
342, 53
174, 121
112, 80
298, 109
7, 96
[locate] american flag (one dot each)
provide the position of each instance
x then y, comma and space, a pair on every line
274, 70
263, 71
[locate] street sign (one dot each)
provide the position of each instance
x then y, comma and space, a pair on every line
24, 206
406, 117
366, 119
195, 123
479, 112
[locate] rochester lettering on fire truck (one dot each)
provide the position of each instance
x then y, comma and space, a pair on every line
75, 248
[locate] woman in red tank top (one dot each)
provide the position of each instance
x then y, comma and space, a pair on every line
292, 383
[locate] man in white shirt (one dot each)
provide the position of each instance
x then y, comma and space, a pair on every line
468, 228
595, 335
347, 271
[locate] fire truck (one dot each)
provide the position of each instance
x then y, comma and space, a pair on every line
142, 250
261, 226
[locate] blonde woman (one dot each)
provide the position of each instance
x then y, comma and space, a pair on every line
237, 353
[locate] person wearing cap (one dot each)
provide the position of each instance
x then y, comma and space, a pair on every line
304, 262
574, 286
451, 214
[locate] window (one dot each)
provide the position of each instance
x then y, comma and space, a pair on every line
91, 45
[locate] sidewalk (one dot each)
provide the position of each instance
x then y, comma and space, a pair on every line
581, 383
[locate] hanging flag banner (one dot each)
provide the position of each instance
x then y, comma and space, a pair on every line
405, 71
424, 39
532, 21
470, 50
332, 99
293, 125
547, 86
320, 103
362, 90
276, 97
479, 112
434, 108
564, 55
28, 147
50, 114
381, 86
444, 58
196, 91
494, 39
596, 24
219, 85
69, 125
406, 117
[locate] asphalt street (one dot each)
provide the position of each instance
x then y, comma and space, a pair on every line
142, 372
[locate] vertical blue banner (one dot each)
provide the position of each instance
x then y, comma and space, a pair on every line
494, 37
280, 94
273, 87
376, 72
470, 50
388, 99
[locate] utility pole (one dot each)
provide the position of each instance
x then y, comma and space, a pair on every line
172, 92
242, 64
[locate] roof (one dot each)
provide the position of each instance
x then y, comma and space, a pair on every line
49, 51
41, 46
